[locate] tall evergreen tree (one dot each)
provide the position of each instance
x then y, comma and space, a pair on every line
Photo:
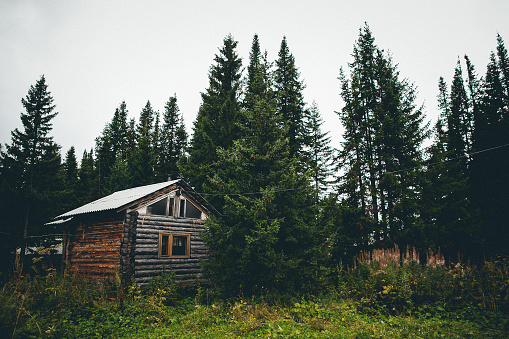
453, 222
173, 140
88, 182
114, 143
318, 150
142, 159
383, 135
71, 179
219, 119
490, 163
146, 121
31, 164
290, 100
264, 241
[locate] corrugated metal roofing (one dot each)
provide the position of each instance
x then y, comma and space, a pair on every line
118, 199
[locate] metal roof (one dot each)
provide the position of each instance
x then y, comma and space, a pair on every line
118, 199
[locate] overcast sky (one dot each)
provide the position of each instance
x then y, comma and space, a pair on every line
96, 54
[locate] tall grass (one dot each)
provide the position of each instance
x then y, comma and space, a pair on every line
394, 282
385, 286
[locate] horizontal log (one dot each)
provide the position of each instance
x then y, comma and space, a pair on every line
162, 224
170, 267
143, 218
94, 255
148, 273
153, 230
153, 260
153, 240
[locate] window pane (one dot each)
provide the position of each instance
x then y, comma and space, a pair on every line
179, 245
172, 202
164, 244
192, 211
157, 208
182, 207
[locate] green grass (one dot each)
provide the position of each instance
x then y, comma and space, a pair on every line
377, 299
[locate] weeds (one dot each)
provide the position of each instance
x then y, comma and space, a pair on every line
389, 293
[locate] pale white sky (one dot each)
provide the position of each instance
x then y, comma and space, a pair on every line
96, 54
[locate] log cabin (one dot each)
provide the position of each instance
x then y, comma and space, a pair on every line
137, 233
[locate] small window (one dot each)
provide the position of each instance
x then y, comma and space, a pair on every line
161, 207
174, 245
158, 208
188, 210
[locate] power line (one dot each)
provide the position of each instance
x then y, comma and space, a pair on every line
252, 193
447, 160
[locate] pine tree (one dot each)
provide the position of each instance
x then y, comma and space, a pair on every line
219, 119
318, 151
173, 140
115, 142
146, 121
31, 163
88, 182
452, 221
490, 164
141, 161
264, 241
70, 168
383, 134
290, 100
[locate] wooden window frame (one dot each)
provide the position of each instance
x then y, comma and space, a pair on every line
170, 245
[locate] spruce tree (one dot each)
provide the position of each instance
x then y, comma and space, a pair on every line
31, 165
142, 159
70, 169
264, 241
453, 223
219, 118
290, 100
383, 134
173, 140
318, 151
115, 142
88, 179
146, 121
490, 163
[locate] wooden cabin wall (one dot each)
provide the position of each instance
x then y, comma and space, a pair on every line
148, 265
94, 248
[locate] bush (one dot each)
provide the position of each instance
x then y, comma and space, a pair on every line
391, 282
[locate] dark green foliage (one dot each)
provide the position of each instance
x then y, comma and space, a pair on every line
113, 146
318, 152
219, 119
453, 221
383, 133
375, 299
290, 100
490, 159
88, 183
264, 241
141, 163
387, 282
173, 140
30, 173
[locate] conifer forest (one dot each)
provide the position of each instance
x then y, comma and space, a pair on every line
298, 217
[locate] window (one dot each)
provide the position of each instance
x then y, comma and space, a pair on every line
172, 245
161, 207
188, 210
